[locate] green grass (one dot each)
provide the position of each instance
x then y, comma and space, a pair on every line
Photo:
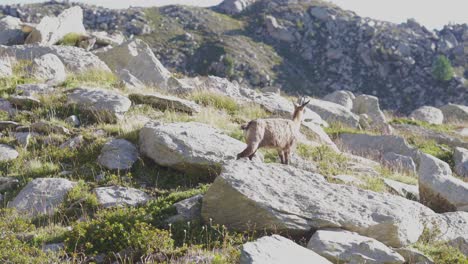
440, 151
404, 177
328, 161
216, 100
444, 128
92, 77
70, 39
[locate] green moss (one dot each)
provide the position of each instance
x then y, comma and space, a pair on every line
373, 184
440, 151
70, 39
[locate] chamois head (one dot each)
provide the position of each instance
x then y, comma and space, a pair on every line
299, 109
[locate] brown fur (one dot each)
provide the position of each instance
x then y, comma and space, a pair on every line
280, 134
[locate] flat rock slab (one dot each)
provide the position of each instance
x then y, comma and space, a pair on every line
164, 102
120, 196
105, 105
278, 250
41, 196
118, 154
7, 153
341, 246
192, 147
250, 195
25, 102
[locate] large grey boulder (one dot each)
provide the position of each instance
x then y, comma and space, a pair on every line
340, 246
344, 98
278, 31
130, 81
438, 189
276, 249
49, 68
52, 29
164, 102
316, 133
105, 105
455, 113
428, 114
41, 196
75, 59
120, 196
376, 146
137, 58
194, 148
235, 6
369, 105
10, 31
7, 153
460, 156
333, 113
249, 195
118, 154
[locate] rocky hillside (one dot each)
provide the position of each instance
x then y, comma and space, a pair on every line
304, 47
107, 156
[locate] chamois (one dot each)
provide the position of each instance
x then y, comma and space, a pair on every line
278, 133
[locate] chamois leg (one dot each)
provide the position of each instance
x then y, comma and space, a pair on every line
251, 156
249, 151
286, 156
281, 155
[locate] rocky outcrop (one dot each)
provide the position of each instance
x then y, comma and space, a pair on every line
137, 58
52, 29
118, 154
428, 114
131, 21
438, 189
41, 196
460, 156
412, 255
274, 197
278, 250
164, 102
75, 59
120, 196
429, 134
369, 105
7, 153
104, 105
341, 246
234, 6
192, 147
453, 228
455, 113
6, 69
